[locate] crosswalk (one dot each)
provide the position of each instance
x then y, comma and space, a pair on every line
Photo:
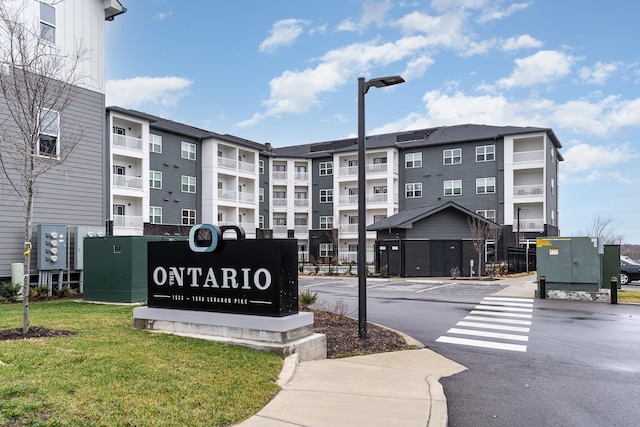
501, 323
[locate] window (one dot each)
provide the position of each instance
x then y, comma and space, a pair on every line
261, 221
47, 22
378, 218
487, 213
155, 179
379, 160
155, 143
326, 168
453, 188
452, 156
48, 143
413, 160
188, 151
553, 186
261, 167
300, 221
326, 196
155, 215
280, 221
352, 219
485, 185
188, 184
279, 194
352, 163
553, 217
261, 194
382, 189
188, 217
118, 210
119, 170
220, 216
326, 222
485, 153
413, 190
326, 249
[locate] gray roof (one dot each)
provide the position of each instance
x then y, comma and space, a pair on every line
407, 217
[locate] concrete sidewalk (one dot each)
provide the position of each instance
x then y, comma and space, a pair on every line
397, 388
387, 389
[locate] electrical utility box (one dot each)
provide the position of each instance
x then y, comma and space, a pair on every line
52, 247
80, 233
570, 263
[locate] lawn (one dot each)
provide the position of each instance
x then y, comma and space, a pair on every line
628, 296
109, 374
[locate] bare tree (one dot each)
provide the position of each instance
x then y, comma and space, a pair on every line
605, 227
479, 233
38, 82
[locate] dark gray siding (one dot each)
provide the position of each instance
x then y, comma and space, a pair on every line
171, 198
321, 183
69, 194
448, 224
263, 182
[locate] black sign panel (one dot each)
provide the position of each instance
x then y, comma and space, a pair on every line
257, 277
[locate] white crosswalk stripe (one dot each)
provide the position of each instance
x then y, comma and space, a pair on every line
511, 316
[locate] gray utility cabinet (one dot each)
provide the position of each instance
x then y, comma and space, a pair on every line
570, 263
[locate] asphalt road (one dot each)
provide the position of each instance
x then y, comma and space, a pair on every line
573, 364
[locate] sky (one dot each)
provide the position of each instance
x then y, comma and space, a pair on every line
285, 72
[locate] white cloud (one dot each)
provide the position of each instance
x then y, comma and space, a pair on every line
283, 33
497, 12
372, 13
544, 66
599, 73
590, 163
347, 25
417, 67
524, 41
138, 91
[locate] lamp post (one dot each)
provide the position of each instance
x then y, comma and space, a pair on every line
363, 88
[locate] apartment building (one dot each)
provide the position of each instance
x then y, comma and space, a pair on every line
71, 193
310, 191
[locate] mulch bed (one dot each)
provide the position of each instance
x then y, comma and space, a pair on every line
34, 332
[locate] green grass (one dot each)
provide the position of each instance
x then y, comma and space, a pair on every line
109, 374
628, 296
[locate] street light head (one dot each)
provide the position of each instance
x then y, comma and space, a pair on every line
386, 81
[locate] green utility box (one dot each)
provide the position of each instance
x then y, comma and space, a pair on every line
570, 263
115, 268
610, 265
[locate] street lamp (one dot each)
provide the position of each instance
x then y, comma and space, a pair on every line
363, 88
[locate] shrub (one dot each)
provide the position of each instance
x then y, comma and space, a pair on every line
307, 298
384, 270
40, 292
10, 291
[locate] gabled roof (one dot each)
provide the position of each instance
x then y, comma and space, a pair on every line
407, 217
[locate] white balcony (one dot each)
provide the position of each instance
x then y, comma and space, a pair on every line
303, 256
528, 156
301, 229
126, 142
370, 198
279, 175
130, 182
279, 202
236, 196
528, 190
301, 176
530, 225
233, 164
124, 225
248, 227
301, 203
348, 228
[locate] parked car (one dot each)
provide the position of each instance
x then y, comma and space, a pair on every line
629, 270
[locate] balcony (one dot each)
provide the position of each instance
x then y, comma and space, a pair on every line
126, 142
348, 228
248, 227
301, 203
301, 176
530, 225
528, 156
129, 182
370, 198
279, 202
235, 165
370, 169
279, 175
236, 196
128, 222
528, 190
301, 229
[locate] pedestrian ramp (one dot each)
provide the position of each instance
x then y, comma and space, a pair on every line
501, 323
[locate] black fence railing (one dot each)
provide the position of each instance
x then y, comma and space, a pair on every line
519, 261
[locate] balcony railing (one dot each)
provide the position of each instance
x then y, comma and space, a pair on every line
301, 176
279, 175
528, 190
531, 225
348, 228
248, 227
303, 256
233, 164
280, 229
124, 181
127, 221
279, 202
301, 202
126, 142
370, 168
371, 198
236, 196
528, 156
301, 229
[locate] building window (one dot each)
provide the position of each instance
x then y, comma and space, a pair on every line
188, 217
553, 217
413, 190
261, 167
261, 194
261, 221
413, 160
326, 222
188, 150
485, 153
379, 160
155, 179
452, 156
382, 189
553, 186
48, 142
326, 196
487, 213
220, 217
485, 185
326, 168
378, 218
326, 249
155, 143
47, 22
282, 222
453, 188
188, 184
155, 215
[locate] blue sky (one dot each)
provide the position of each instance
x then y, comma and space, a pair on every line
285, 72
